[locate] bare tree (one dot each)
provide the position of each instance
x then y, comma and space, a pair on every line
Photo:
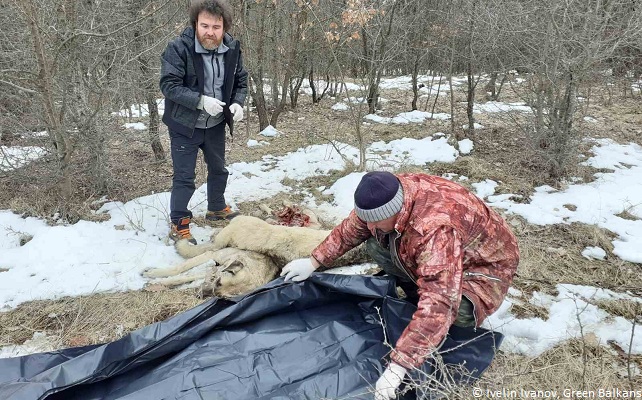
563, 44
273, 33
142, 52
65, 65
70, 66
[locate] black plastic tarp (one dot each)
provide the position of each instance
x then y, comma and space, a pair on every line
321, 338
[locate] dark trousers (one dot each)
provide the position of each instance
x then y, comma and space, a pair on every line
184, 153
383, 258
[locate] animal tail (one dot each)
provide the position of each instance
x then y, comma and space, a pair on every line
187, 250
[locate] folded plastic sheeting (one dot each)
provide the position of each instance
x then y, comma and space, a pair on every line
318, 339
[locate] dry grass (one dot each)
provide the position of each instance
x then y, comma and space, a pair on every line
99, 318
552, 254
526, 310
578, 364
626, 309
627, 215
37, 189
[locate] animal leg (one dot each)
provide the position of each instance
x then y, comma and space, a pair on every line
180, 268
174, 281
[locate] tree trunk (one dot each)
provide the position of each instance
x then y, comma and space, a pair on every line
312, 85
472, 84
561, 129
490, 86
294, 90
274, 86
261, 109
153, 131
281, 103
499, 89
539, 109
257, 74
45, 85
95, 139
452, 93
373, 90
434, 104
415, 86
376, 64
470, 98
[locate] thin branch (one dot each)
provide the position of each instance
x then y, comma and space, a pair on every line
94, 34
31, 91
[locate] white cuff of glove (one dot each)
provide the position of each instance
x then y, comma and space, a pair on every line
212, 105
237, 112
388, 383
298, 270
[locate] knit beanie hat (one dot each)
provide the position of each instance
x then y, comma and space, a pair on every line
379, 196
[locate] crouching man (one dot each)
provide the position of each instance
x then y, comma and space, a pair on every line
451, 254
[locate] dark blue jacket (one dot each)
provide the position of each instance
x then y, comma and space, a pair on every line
182, 81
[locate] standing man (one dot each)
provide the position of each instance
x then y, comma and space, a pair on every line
204, 84
452, 255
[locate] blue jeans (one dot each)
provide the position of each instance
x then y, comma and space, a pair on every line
184, 152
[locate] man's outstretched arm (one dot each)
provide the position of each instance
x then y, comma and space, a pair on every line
300, 269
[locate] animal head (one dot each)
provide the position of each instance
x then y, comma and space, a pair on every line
240, 272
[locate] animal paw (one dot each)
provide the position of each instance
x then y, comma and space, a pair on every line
155, 273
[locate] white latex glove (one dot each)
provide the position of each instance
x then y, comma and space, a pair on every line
298, 270
389, 381
237, 111
212, 105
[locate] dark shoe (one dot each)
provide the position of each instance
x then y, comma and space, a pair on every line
225, 213
180, 230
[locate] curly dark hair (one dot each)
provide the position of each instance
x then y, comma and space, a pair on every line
215, 7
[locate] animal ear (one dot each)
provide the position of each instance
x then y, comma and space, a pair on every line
233, 267
207, 289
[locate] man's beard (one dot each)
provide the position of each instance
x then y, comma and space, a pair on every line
208, 43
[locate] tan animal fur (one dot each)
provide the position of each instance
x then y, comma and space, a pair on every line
249, 253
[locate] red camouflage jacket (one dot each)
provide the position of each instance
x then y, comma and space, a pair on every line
452, 245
